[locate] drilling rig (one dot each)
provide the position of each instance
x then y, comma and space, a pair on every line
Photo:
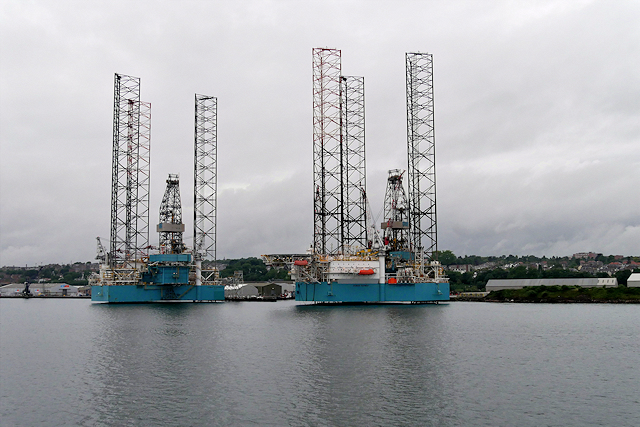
129, 272
347, 263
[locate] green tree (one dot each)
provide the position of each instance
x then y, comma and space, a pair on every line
253, 270
623, 276
447, 257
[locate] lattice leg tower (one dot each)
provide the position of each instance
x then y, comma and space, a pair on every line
205, 177
421, 148
130, 173
143, 181
354, 227
327, 151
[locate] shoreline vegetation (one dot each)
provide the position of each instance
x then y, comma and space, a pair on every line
561, 295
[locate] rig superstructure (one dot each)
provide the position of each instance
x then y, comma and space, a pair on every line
129, 273
349, 262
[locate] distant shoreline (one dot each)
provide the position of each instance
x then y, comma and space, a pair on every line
45, 297
547, 301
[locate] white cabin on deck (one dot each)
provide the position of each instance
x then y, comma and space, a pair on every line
355, 270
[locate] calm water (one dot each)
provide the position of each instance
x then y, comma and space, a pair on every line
70, 362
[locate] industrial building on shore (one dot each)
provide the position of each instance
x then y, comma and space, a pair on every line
42, 289
259, 289
499, 284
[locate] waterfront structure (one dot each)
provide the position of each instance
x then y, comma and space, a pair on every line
129, 273
240, 291
633, 281
274, 289
500, 284
40, 290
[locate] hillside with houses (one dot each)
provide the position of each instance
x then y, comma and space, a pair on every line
466, 273
471, 273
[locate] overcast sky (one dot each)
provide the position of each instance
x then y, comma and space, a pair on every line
537, 107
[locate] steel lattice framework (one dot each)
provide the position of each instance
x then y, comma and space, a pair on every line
144, 180
130, 173
171, 218
327, 151
396, 213
353, 218
421, 147
205, 177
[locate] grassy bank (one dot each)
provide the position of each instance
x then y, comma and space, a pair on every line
566, 294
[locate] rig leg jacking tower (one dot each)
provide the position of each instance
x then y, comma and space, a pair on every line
128, 272
349, 262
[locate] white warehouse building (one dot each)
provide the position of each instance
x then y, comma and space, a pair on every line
499, 284
40, 289
633, 281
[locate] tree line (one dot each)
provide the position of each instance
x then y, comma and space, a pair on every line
53, 273
447, 257
253, 270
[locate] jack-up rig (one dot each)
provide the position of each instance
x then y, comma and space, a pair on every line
129, 273
349, 262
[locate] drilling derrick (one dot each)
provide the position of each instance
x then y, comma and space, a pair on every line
130, 175
354, 217
421, 150
205, 175
396, 214
171, 226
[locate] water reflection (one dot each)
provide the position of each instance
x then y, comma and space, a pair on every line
157, 357
372, 365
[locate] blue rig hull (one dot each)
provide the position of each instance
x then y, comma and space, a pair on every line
156, 293
323, 292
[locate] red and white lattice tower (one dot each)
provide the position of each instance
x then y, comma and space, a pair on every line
340, 218
130, 174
